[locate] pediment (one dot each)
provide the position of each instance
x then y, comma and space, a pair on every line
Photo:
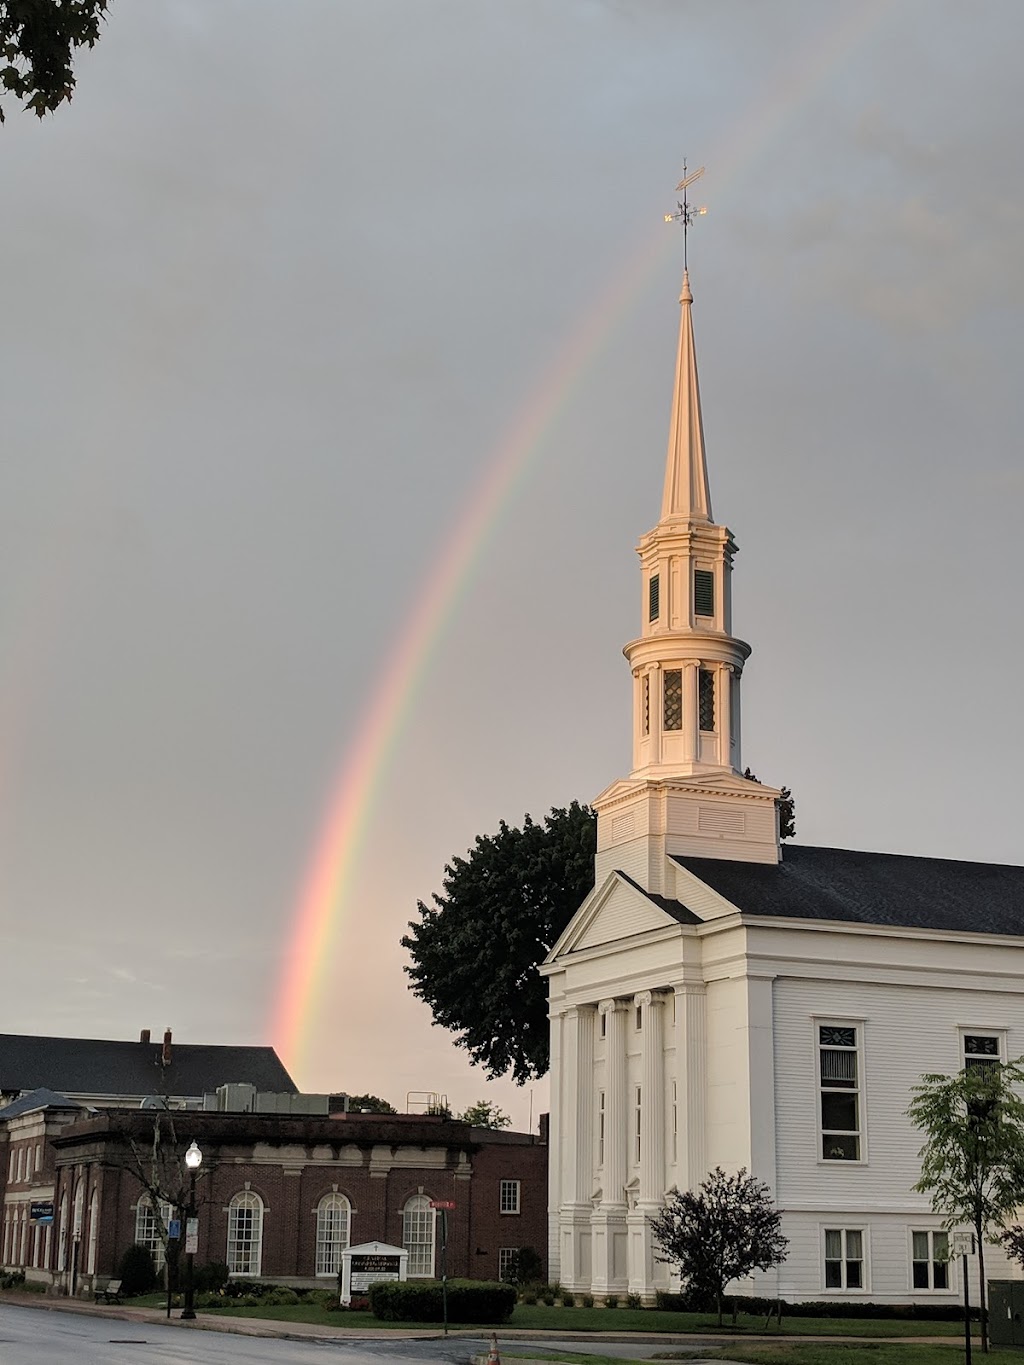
615, 910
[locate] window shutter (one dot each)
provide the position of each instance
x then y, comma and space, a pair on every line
654, 598
704, 592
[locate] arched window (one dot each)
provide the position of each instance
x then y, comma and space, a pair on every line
418, 1236
94, 1216
245, 1233
332, 1233
150, 1230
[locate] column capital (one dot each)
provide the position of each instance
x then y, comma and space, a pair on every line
690, 988
611, 1006
692, 663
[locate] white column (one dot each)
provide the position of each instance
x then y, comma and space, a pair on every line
638, 715
555, 1179
723, 721
657, 710
691, 730
608, 1222
577, 1089
586, 1016
691, 1067
652, 1098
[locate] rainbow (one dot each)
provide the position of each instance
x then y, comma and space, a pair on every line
324, 897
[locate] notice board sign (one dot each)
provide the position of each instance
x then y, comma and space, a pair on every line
41, 1211
362, 1266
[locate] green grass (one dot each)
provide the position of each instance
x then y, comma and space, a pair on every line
784, 1353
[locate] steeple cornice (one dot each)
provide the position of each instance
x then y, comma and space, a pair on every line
687, 496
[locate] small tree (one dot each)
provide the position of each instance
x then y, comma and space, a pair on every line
484, 1114
720, 1232
369, 1104
972, 1162
38, 39
137, 1271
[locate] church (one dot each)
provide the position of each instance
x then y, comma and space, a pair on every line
720, 999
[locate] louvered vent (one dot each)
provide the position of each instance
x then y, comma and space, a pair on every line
720, 820
622, 827
704, 592
654, 598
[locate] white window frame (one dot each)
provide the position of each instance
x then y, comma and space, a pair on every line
965, 1031
94, 1231
147, 1228
510, 1199
506, 1256
245, 1234
419, 1236
333, 1233
950, 1262
845, 1259
820, 1022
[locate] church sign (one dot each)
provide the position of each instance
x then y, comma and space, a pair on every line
41, 1211
362, 1266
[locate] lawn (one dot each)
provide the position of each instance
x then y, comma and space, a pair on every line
800, 1353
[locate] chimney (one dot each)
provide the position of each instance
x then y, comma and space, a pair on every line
165, 1056
144, 1036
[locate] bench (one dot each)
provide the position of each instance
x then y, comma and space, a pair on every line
107, 1291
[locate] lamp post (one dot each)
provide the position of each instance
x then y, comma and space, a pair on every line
193, 1160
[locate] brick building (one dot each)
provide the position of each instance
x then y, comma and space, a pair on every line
280, 1196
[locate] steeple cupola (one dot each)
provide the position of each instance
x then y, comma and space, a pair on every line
686, 662
685, 795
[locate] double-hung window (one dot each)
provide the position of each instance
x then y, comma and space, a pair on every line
508, 1196
844, 1258
929, 1260
840, 1099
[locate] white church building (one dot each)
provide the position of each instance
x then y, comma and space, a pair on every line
722, 1000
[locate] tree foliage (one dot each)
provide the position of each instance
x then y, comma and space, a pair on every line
37, 41
369, 1104
720, 1232
476, 949
972, 1161
786, 807
484, 1114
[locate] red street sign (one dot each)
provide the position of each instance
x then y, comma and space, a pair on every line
442, 1203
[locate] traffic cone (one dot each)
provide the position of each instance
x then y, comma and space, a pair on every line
492, 1355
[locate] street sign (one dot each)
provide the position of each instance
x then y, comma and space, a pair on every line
962, 1243
191, 1236
173, 1229
442, 1203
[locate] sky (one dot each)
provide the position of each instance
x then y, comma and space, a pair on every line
337, 359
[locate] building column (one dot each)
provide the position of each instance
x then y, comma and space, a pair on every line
724, 717
691, 721
652, 1144
691, 1075
657, 678
608, 1221
577, 1147
555, 1178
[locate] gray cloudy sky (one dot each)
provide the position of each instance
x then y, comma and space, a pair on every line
275, 291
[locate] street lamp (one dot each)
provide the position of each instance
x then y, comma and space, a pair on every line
193, 1160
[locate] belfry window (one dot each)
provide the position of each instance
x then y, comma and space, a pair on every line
706, 698
654, 597
703, 592
673, 699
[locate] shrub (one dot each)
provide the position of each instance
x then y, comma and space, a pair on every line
210, 1277
137, 1271
568, 1300
759, 1306
280, 1297
525, 1267
587, 1300
530, 1297
548, 1300
238, 1289
14, 1279
611, 1301
421, 1301
634, 1301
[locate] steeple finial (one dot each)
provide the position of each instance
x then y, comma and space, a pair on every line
687, 496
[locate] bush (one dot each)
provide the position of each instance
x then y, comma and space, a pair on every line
587, 1300
760, 1307
548, 1300
137, 1271
530, 1297
210, 1277
239, 1289
525, 1267
611, 1301
634, 1301
568, 1300
421, 1301
280, 1297
14, 1279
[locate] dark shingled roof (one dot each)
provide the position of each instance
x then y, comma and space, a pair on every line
97, 1066
872, 888
676, 909
37, 1099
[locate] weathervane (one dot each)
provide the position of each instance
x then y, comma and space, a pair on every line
686, 213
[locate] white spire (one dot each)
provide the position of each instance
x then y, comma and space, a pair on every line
686, 497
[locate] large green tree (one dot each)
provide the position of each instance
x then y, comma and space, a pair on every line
476, 948
37, 42
720, 1232
972, 1161
484, 1114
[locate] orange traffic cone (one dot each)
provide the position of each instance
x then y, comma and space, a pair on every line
492, 1355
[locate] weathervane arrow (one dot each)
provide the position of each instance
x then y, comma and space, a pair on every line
685, 212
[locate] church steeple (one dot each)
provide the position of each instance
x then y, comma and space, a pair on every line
686, 475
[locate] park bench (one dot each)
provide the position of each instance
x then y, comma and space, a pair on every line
107, 1291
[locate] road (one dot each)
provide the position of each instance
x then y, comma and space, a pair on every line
34, 1336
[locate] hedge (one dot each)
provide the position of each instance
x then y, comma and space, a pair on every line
927, 1312
421, 1301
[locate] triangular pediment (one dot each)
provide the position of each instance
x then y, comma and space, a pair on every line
616, 909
